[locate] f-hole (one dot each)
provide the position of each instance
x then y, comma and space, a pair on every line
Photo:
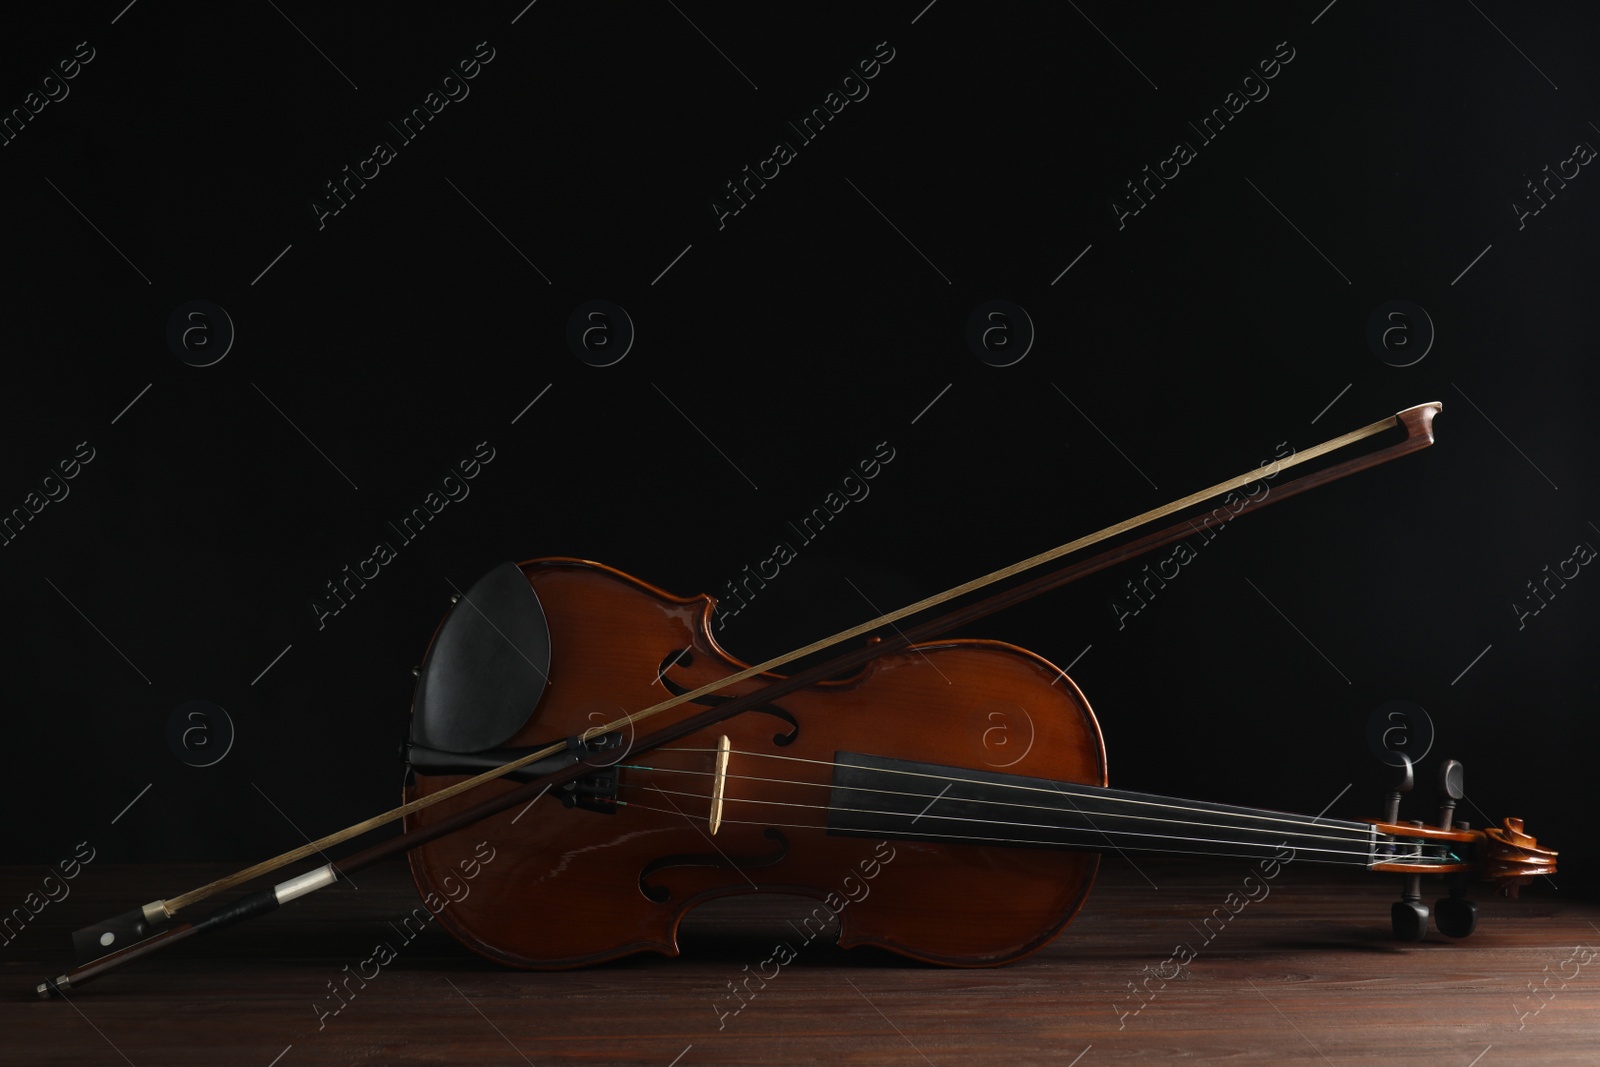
684, 657
661, 894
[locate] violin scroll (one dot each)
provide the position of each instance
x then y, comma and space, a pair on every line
1512, 858
1505, 855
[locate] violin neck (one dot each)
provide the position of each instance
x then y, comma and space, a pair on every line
880, 797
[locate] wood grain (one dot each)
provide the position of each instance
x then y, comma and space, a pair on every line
1306, 975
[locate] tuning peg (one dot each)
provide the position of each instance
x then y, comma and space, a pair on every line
1408, 915
1455, 915
1452, 787
1399, 779
1410, 920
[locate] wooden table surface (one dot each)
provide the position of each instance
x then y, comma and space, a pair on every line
1306, 975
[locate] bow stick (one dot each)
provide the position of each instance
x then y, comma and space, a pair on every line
564, 761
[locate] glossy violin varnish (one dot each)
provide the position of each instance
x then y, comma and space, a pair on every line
568, 886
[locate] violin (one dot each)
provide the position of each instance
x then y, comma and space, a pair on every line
887, 795
548, 827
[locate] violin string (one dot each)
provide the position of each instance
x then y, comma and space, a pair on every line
1055, 789
1119, 835
1349, 833
1360, 859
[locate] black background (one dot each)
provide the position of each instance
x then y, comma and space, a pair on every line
824, 318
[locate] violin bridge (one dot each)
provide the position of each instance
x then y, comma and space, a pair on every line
719, 781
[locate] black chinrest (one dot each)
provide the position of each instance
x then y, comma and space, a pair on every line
486, 669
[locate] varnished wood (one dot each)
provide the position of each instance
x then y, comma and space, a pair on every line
580, 887
1513, 858
569, 892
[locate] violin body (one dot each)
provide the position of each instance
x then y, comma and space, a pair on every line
548, 886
